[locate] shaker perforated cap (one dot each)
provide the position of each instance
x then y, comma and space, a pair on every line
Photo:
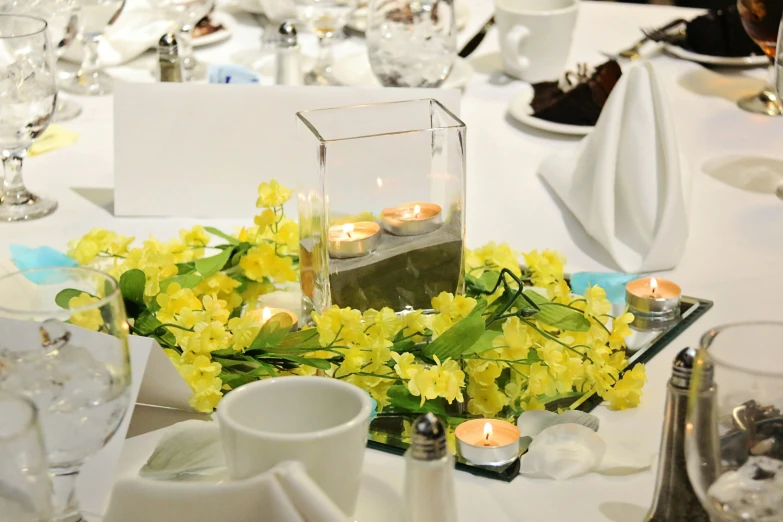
168, 45
287, 35
682, 369
428, 441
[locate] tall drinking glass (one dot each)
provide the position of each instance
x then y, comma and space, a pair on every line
95, 16
25, 490
186, 14
734, 434
411, 43
64, 345
28, 96
761, 19
779, 63
326, 18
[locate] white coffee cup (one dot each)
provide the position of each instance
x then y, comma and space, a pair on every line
535, 36
319, 421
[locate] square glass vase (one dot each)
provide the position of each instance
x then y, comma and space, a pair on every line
381, 205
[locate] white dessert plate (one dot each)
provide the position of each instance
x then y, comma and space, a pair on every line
355, 71
378, 502
217, 18
358, 21
520, 110
728, 61
248, 6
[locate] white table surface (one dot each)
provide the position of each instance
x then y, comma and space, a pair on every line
733, 254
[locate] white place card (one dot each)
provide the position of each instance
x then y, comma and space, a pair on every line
199, 150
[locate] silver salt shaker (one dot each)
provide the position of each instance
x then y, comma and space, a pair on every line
168, 59
288, 57
429, 474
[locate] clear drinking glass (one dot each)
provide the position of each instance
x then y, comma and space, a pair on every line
186, 14
326, 18
28, 95
25, 490
64, 345
734, 434
95, 16
779, 62
761, 20
411, 43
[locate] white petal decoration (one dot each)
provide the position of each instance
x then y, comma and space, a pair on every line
577, 417
621, 460
188, 448
533, 422
562, 452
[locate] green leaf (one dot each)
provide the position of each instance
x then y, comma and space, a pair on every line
558, 315
485, 283
184, 280
64, 297
132, 285
300, 339
401, 398
321, 364
483, 344
209, 266
235, 380
148, 323
218, 233
186, 268
457, 339
403, 346
273, 332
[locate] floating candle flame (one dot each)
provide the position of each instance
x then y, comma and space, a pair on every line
653, 285
416, 211
379, 181
487, 433
266, 315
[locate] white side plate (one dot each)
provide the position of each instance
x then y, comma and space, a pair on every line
217, 18
520, 110
729, 61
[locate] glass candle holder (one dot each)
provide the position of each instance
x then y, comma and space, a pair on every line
400, 166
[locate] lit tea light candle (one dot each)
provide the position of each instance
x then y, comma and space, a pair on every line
488, 442
654, 302
353, 239
266, 313
412, 219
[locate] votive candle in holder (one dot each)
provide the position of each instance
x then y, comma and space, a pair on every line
412, 219
353, 239
266, 313
655, 303
488, 442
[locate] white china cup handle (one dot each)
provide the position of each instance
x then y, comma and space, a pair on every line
513, 40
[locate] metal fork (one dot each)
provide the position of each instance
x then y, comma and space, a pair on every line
664, 36
633, 52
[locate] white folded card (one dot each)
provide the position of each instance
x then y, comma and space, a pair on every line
196, 150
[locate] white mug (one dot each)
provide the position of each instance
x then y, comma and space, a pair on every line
535, 37
319, 421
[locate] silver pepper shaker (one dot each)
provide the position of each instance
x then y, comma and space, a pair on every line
429, 474
288, 57
674, 499
168, 59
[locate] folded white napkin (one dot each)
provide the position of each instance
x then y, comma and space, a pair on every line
134, 32
186, 479
625, 183
279, 10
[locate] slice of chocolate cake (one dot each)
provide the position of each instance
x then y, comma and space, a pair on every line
720, 33
581, 104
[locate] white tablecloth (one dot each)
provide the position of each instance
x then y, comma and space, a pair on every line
733, 254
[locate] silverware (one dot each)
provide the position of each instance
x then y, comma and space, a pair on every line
665, 36
633, 52
474, 42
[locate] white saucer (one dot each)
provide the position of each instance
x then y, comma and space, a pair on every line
378, 502
520, 110
355, 71
358, 21
728, 61
248, 6
224, 19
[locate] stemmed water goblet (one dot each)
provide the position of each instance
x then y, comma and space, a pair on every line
28, 96
186, 14
326, 18
761, 20
95, 16
411, 43
64, 346
734, 430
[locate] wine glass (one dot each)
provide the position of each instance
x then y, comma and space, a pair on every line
411, 43
95, 16
25, 490
64, 345
778, 63
186, 14
326, 18
734, 431
28, 95
761, 20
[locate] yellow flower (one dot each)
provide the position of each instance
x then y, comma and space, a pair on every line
89, 319
175, 298
487, 375
385, 323
257, 262
597, 303
517, 339
440, 323
492, 257
620, 330
216, 309
546, 267
98, 240
195, 237
208, 396
254, 291
406, 366
602, 377
244, 331
208, 337
540, 382
627, 393
485, 400
531, 403
414, 323
272, 195
423, 384
449, 380
265, 219
288, 235
455, 307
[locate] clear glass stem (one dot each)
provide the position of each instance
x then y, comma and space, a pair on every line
14, 191
323, 63
185, 46
91, 64
772, 80
66, 507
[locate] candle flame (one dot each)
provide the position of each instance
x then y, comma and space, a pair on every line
266, 314
379, 181
417, 210
347, 229
653, 285
487, 431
